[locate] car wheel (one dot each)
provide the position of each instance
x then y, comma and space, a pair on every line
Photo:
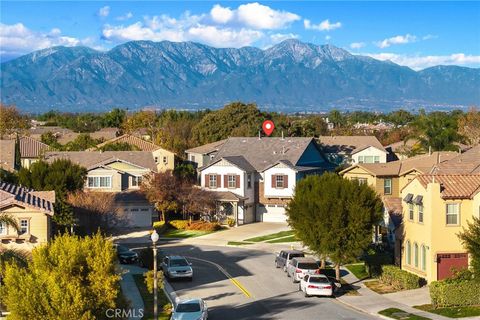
293, 279
299, 287
288, 274
284, 268
190, 279
306, 294
276, 265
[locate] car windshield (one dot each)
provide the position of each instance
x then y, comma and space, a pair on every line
296, 255
178, 263
319, 280
188, 307
307, 265
122, 249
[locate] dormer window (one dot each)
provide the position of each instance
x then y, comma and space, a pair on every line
279, 182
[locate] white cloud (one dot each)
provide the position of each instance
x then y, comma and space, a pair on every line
327, 37
221, 14
408, 38
104, 12
429, 36
279, 37
17, 39
322, 26
258, 16
418, 62
126, 16
357, 45
221, 37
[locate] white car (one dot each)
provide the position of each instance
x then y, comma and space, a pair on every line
316, 285
299, 267
190, 309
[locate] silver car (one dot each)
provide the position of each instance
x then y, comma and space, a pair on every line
190, 309
299, 267
175, 267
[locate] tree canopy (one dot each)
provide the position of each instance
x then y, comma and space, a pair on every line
11, 121
334, 216
438, 131
470, 238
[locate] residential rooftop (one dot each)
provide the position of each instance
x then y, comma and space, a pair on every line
41, 200
453, 186
465, 163
348, 144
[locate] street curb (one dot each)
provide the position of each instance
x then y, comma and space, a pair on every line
170, 293
363, 311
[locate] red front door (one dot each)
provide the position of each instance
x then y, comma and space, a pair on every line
448, 261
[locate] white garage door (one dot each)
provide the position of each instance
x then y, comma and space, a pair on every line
138, 217
269, 213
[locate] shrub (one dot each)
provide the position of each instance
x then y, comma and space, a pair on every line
374, 262
400, 279
204, 226
179, 224
149, 280
161, 226
455, 293
231, 222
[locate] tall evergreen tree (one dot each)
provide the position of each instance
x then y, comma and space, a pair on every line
334, 217
470, 238
18, 155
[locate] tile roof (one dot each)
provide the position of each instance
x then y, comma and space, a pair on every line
422, 163
465, 163
207, 148
7, 154
89, 159
32, 148
349, 144
453, 186
226, 196
131, 140
41, 200
264, 152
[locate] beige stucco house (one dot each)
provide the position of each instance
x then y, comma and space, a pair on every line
33, 211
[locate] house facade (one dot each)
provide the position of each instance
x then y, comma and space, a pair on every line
435, 210
33, 211
119, 172
254, 178
343, 150
202, 155
31, 150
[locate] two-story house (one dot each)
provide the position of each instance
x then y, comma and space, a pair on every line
33, 211
254, 178
164, 159
343, 150
435, 209
201, 156
120, 172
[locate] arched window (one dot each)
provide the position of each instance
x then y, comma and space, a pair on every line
409, 253
415, 254
424, 258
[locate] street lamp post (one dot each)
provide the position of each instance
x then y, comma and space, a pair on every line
154, 238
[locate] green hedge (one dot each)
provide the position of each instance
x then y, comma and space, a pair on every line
161, 226
179, 224
375, 261
400, 279
456, 293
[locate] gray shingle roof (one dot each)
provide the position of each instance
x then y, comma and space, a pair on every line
89, 159
41, 200
349, 144
207, 148
32, 148
465, 163
264, 152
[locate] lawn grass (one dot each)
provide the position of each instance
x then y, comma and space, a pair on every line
178, 233
358, 270
291, 238
379, 287
452, 312
270, 236
238, 243
395, 313
163, 302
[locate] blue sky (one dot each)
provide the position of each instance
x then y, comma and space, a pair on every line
415, 34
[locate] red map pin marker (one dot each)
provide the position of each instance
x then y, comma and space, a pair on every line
268, 127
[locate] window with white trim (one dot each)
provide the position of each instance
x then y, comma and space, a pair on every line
136, 181
368, 159
410, 211
23, 226
424, 258
100, 182
453, 212
3, 228
409, 252
415, 255
249, 180
212, 181
279, 181
420, 213
387, 186
232, 181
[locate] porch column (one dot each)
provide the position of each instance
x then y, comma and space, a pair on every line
235, 212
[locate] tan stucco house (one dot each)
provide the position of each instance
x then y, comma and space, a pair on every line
33, 211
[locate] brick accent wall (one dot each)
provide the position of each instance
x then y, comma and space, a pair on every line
263, 200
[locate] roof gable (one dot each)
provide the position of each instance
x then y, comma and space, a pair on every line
11, 194
453, 186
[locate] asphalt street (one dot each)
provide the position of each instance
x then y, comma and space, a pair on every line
238, 283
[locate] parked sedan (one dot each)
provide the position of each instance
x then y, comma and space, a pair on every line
316, 285
191, 309
177, 267
299, 267
284, 257
126, 255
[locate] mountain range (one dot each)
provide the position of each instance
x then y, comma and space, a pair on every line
290, 76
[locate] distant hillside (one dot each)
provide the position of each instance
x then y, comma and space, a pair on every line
289, 76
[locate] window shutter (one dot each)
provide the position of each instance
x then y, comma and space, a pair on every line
225, 181
219, 181
273, 181
207, 180
285, 181
237, 181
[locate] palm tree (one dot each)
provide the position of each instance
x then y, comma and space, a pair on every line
9, 221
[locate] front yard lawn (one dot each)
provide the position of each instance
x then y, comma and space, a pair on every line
452, 312
164, 306
291, 238
178, 233
395, 313
379, 287
358, 270
271, 236
238, 243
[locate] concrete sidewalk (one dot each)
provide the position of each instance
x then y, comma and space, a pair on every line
130, 290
